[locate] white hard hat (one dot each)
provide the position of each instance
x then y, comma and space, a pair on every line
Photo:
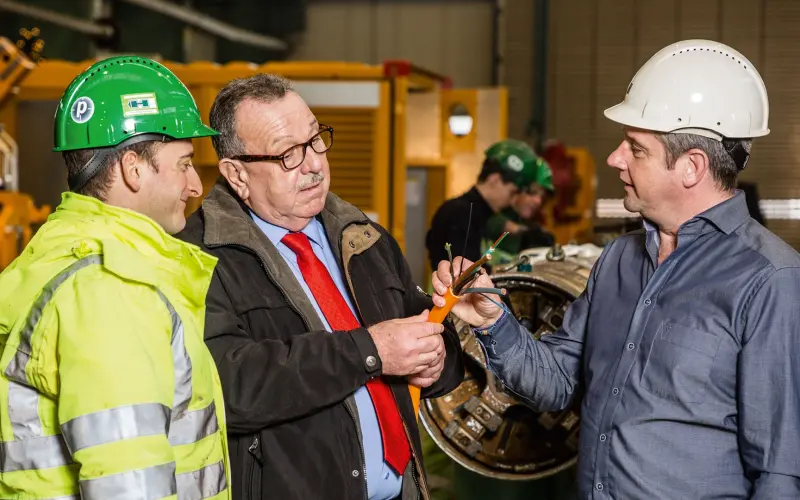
696, 86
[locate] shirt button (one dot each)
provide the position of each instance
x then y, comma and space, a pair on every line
647, 302
355, 473
371, 362
630, 346
615, 391
599, 486
603, 438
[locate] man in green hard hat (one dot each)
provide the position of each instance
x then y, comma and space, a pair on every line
518, 219
106, 387
509, 166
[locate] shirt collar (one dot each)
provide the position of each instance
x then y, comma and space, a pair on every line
276, 233
726, 216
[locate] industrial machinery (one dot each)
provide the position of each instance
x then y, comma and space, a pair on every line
18, 214
485, 427
570, 216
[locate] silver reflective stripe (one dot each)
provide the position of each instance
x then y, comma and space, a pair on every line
187, 426
115, 424
23, 410
16, 368
194, 426
71, 497
34, 453
143, 484
203, 483
183, 365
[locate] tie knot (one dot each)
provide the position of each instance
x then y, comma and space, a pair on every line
298, 243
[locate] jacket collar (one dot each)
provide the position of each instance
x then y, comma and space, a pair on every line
227, 220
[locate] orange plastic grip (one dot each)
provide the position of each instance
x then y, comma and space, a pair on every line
437, 315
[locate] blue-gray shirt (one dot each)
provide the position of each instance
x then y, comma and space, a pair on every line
382, 482
691, 368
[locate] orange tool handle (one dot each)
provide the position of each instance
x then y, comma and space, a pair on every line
437, 315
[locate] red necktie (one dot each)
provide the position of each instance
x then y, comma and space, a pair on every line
396, 451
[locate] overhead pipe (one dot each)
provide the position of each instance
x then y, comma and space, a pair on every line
58, 18
210, 25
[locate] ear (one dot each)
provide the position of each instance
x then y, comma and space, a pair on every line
694, 167
237, 177
131, 168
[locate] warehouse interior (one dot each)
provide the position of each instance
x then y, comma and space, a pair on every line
416, 92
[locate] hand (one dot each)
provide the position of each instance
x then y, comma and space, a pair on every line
475, 309
429, 374
408, 345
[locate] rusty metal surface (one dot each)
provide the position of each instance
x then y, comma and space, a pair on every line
485, 427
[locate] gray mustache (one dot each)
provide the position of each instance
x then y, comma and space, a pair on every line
309, 181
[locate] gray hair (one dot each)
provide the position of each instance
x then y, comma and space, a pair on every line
723, 168
262, 87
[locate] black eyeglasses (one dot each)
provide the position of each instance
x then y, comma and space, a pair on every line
295, 155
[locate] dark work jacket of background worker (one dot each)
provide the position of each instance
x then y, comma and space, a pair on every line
449, 225
288, 383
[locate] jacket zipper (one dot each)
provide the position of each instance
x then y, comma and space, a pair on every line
251, 449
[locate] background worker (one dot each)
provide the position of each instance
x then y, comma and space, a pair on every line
507, 168
520, 218
106, 387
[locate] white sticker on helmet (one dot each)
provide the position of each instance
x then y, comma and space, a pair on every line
82, 110
515, 163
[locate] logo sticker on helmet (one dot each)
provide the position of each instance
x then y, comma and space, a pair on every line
139, 104
82, 110
515, 163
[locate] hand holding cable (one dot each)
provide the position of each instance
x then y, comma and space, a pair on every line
471, 305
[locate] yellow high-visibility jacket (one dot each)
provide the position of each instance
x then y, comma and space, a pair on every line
107, 390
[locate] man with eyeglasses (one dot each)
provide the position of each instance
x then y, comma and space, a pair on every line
314, 321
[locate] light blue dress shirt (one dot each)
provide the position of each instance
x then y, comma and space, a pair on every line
382, 482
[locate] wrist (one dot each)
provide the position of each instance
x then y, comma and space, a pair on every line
491, 321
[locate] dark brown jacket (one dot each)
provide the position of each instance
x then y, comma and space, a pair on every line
289, 384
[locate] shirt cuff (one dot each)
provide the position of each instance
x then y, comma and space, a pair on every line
499, 337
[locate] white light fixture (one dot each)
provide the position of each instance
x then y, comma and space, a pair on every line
460, 122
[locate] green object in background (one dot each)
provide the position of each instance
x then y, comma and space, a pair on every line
123, 97
519, 158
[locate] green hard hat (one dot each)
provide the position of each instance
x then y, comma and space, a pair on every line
519, 158
123, 100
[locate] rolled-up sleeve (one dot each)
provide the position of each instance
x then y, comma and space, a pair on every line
769, 388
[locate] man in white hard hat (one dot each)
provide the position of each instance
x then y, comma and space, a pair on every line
686, 341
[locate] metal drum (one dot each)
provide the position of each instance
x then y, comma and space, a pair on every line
486, 428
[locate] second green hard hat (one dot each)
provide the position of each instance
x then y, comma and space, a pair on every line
519, 158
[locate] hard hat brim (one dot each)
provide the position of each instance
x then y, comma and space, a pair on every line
631, 116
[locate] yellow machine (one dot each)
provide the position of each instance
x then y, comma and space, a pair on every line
18, 214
